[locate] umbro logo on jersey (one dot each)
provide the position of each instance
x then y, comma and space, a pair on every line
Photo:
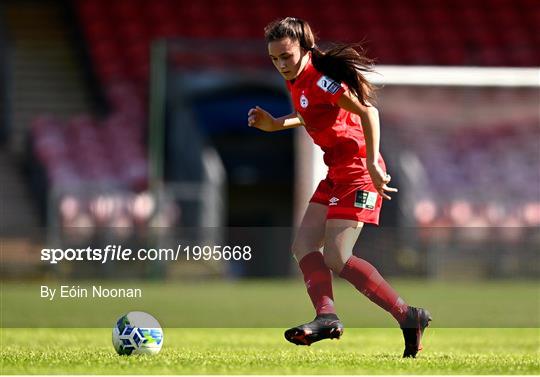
333, 201
304, 101
328, 85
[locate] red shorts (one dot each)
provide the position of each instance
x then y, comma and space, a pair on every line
358, 202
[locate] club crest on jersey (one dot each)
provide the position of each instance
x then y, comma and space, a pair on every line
328, 85
304, 101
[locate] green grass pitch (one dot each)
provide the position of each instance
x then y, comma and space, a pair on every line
264, 351
478, 328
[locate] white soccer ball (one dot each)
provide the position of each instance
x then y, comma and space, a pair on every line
137, 333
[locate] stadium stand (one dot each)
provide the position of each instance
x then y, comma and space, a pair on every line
442, 32
118, 35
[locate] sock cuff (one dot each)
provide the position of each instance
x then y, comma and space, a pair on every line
348, 267
312, 262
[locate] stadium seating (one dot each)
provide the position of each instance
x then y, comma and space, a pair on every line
118, 33
442, 32
109, 152
472, 179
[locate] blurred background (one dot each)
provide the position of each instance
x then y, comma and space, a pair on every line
124, 121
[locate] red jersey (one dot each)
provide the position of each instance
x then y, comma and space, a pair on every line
337, 131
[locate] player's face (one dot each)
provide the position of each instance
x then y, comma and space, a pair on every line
288, 57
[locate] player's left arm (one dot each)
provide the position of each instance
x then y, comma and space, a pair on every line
369, 116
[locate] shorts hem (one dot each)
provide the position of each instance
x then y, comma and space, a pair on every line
341, 216
319, 201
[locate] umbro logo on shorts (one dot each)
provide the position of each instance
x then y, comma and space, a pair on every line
333, 201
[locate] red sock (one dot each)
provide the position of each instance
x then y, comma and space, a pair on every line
367, 280
318, 279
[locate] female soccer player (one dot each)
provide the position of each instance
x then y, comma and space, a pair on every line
332, 98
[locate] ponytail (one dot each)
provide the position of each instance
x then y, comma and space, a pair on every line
344, 62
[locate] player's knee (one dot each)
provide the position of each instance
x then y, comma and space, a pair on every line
334, 261
297, 252
301, 252
301, 248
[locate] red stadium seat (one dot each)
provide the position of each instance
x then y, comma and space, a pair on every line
444, 32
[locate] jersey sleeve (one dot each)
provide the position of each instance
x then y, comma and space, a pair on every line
329, 90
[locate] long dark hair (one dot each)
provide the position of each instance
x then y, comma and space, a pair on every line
342, 62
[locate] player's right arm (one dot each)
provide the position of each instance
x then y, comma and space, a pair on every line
262, 120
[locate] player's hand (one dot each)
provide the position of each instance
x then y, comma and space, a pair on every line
260, 119
380, 180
